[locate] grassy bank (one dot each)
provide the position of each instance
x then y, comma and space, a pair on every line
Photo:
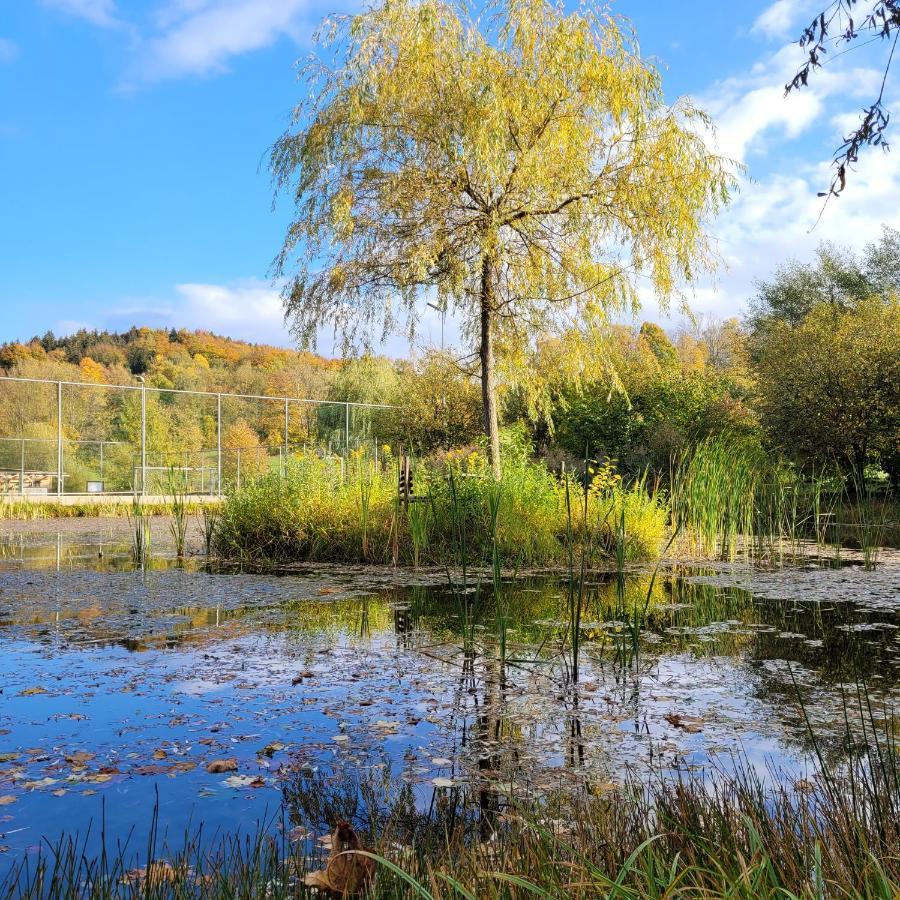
320, 512
29, 511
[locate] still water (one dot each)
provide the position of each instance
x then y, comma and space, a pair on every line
121, 688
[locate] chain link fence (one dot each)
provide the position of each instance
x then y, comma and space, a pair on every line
73, 438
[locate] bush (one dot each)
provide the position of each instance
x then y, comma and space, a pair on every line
328, 509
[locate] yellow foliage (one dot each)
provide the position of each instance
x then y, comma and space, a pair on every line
92, 371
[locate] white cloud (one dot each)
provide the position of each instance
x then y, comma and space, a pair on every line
779, 18
752, 112
249, 310
8, 50
786, 144
252, 311
199, 37
101, 13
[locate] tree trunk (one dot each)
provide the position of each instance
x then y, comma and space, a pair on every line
486, 353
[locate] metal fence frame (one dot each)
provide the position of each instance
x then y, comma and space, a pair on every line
145, 389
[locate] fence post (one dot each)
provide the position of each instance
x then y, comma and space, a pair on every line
22, 469
347, 426
143, 437
59, 444
219, 444
239, 468
286, 424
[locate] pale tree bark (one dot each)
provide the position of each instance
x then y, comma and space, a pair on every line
486, 354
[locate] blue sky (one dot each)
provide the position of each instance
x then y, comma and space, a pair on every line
133, 136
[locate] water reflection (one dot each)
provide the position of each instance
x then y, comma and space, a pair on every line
154, 674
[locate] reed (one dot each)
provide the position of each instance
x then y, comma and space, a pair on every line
210, 516
311, 513
729, 832
139, 520
176, 483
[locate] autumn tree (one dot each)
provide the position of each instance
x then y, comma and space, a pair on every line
523, 168
830, 386
437, 406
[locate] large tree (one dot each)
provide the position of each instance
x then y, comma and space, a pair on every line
523, 167
830, 386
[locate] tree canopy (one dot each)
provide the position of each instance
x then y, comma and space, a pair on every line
522, 166
838, 277
830, 386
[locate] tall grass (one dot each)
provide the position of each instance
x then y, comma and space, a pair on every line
140, 532
728, 497
176, 484
210, 516
313, 514
731, 832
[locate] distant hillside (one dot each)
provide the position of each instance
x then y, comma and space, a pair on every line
188, 360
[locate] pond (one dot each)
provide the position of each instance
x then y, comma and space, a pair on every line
122, 688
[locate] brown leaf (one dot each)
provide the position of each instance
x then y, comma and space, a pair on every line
690, 724
79, 758
218, 766
346, 873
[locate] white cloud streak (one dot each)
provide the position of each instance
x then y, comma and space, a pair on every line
776, 20
199, 37
101, 13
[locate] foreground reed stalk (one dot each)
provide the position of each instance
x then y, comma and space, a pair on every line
717, 835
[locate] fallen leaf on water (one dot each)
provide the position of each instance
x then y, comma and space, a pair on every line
217, 766
40, 783
30, 692
441, 782
441, 761
79, 758
6, 799
273, 748
690, 724
159, 754
382, 725
239, 781
154, 875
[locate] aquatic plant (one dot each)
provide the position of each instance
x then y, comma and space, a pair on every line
176, 483
419, 517
312, 513
210, 515
139, 519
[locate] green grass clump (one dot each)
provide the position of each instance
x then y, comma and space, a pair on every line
323, 509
